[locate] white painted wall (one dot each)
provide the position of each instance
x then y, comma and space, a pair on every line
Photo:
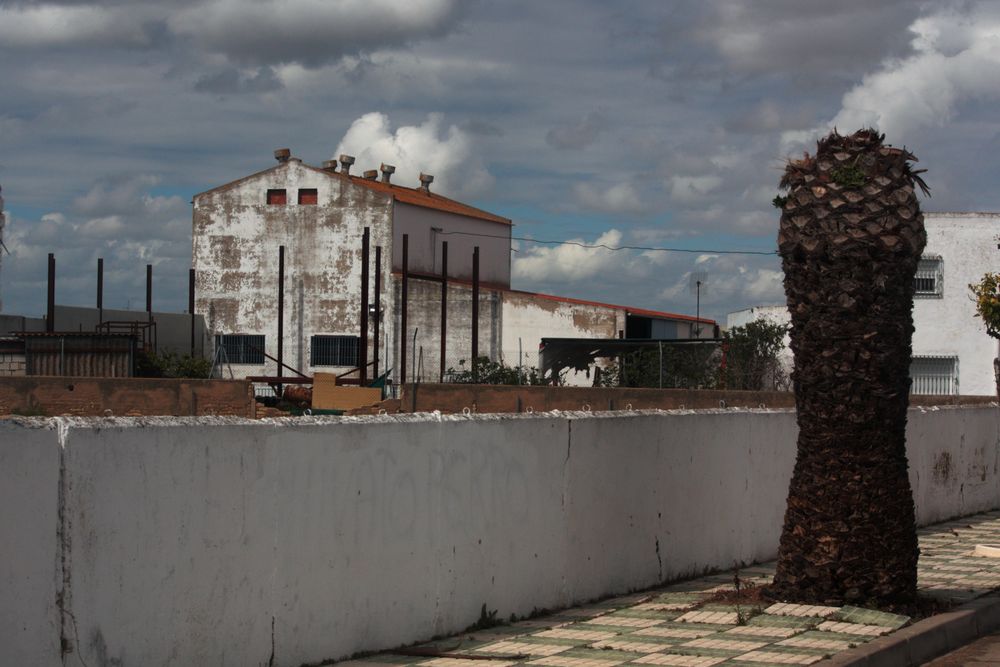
30, 567
186, 539
967, 245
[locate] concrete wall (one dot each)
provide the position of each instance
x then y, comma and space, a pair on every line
528, 318
424, 251
236, 237
154, 542
947, 326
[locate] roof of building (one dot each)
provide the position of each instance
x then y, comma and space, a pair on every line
642, 312
401, 193
417, 197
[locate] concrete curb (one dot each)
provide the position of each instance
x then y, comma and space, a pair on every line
927, 639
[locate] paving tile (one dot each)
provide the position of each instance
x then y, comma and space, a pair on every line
773, 657
465, 662
870, 617
763, 631
805, 610
623, 621
664, 606
855, 628
820, 644
728, 644
673, 632
804, 622
629, 645
526, 648
677, 660
566, 633
717, 617
565, 661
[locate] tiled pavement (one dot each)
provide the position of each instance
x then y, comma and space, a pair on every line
673, 626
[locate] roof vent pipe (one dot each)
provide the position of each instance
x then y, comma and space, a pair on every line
371, 174
425, 182
330, 165
387, 171
282, 154
345, 164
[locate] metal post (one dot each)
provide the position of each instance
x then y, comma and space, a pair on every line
191, 305
100, 290
475, 312
660, 345
149, 292
378, 309
50, 310
363, 346
697, 310
402, 314
444, 307
281, 313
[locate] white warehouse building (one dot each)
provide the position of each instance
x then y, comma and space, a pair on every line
952, 353
319, 216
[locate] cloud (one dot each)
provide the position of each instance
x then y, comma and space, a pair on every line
620, 198
38, 26
428, 148
234, 81
731, 281
577, 135
693, 189
311, 32
569, 263
956, 59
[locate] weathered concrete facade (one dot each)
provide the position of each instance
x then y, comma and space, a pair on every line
319, 215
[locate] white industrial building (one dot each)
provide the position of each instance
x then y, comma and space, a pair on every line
319, 215
952, 353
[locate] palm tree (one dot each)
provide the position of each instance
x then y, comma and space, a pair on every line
850, 237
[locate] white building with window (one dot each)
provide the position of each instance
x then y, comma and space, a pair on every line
952, 354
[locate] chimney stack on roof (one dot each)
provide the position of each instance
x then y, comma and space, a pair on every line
345, 164
387, 171
330, 165
282, 154
425, 182
371, 174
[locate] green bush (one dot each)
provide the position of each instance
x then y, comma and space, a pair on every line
171, 365
485, 371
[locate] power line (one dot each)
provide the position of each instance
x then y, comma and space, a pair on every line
613, 248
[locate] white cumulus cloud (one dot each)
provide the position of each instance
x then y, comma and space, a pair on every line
447, 154
956, 59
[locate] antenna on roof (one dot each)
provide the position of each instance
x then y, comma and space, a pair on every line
696, 283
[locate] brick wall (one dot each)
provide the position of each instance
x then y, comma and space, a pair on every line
11, 364
453, 398
52, 396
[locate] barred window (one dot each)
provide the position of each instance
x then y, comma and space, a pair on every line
308, 196
928, 281
242, 348
334, 351
277, 197
934, 375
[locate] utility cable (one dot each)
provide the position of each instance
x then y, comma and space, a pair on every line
613, 248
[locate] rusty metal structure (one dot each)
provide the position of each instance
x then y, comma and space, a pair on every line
79, 354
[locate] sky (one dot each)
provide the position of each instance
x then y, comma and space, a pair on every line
641, 123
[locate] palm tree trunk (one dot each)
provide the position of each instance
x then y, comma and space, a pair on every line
850, 237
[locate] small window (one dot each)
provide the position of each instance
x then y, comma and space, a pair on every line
241, 348
308, 196
934, 375
277, 197
334, 351
928, 283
